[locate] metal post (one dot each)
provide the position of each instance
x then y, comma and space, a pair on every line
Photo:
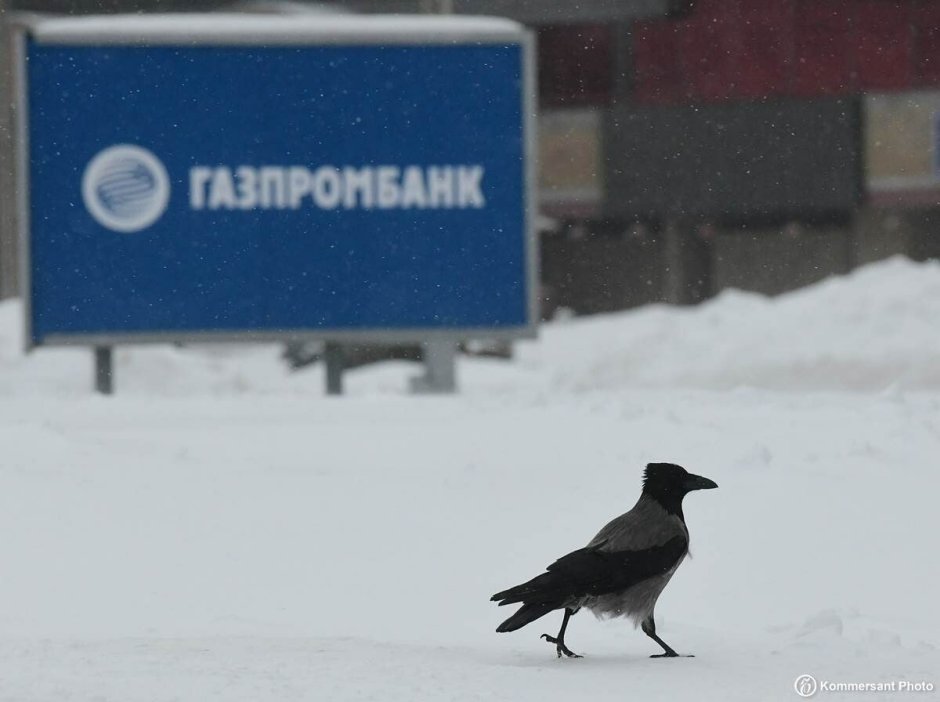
104, 370
440, 369
335, 362
8, 243
672, 262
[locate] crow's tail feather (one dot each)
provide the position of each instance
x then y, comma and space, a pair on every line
541, 588
525, 615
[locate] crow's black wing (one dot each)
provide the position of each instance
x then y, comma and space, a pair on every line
590, 572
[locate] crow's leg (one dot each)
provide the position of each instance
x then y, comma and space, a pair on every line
649, 628
559, 640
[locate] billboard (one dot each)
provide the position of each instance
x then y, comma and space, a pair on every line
223, 177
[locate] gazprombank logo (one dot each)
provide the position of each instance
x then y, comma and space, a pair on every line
126, 188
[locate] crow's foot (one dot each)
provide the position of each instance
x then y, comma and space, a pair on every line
671, 654
560, 647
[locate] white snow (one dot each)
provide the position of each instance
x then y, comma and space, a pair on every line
222, 27
219, 530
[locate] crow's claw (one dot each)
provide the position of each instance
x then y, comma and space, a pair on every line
560, 647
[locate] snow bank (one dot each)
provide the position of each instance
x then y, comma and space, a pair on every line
871, 330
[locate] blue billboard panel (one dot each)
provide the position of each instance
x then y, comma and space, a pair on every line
214, 191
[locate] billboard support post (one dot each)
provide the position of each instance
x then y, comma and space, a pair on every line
440, 368
334, 361
104, 370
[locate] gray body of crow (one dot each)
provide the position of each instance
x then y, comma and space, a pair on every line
645, 526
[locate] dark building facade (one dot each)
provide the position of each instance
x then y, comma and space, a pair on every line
762, 144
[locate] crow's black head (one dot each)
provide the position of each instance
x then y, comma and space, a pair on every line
668, 483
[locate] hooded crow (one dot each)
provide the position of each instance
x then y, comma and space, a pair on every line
622, 570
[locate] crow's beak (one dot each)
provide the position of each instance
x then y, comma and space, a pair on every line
697, 482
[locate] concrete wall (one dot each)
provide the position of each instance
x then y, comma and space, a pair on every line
773, 261
603, 269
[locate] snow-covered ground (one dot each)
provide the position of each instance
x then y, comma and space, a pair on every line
219, 530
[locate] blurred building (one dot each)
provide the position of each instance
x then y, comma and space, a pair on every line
690, 145
761, 144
